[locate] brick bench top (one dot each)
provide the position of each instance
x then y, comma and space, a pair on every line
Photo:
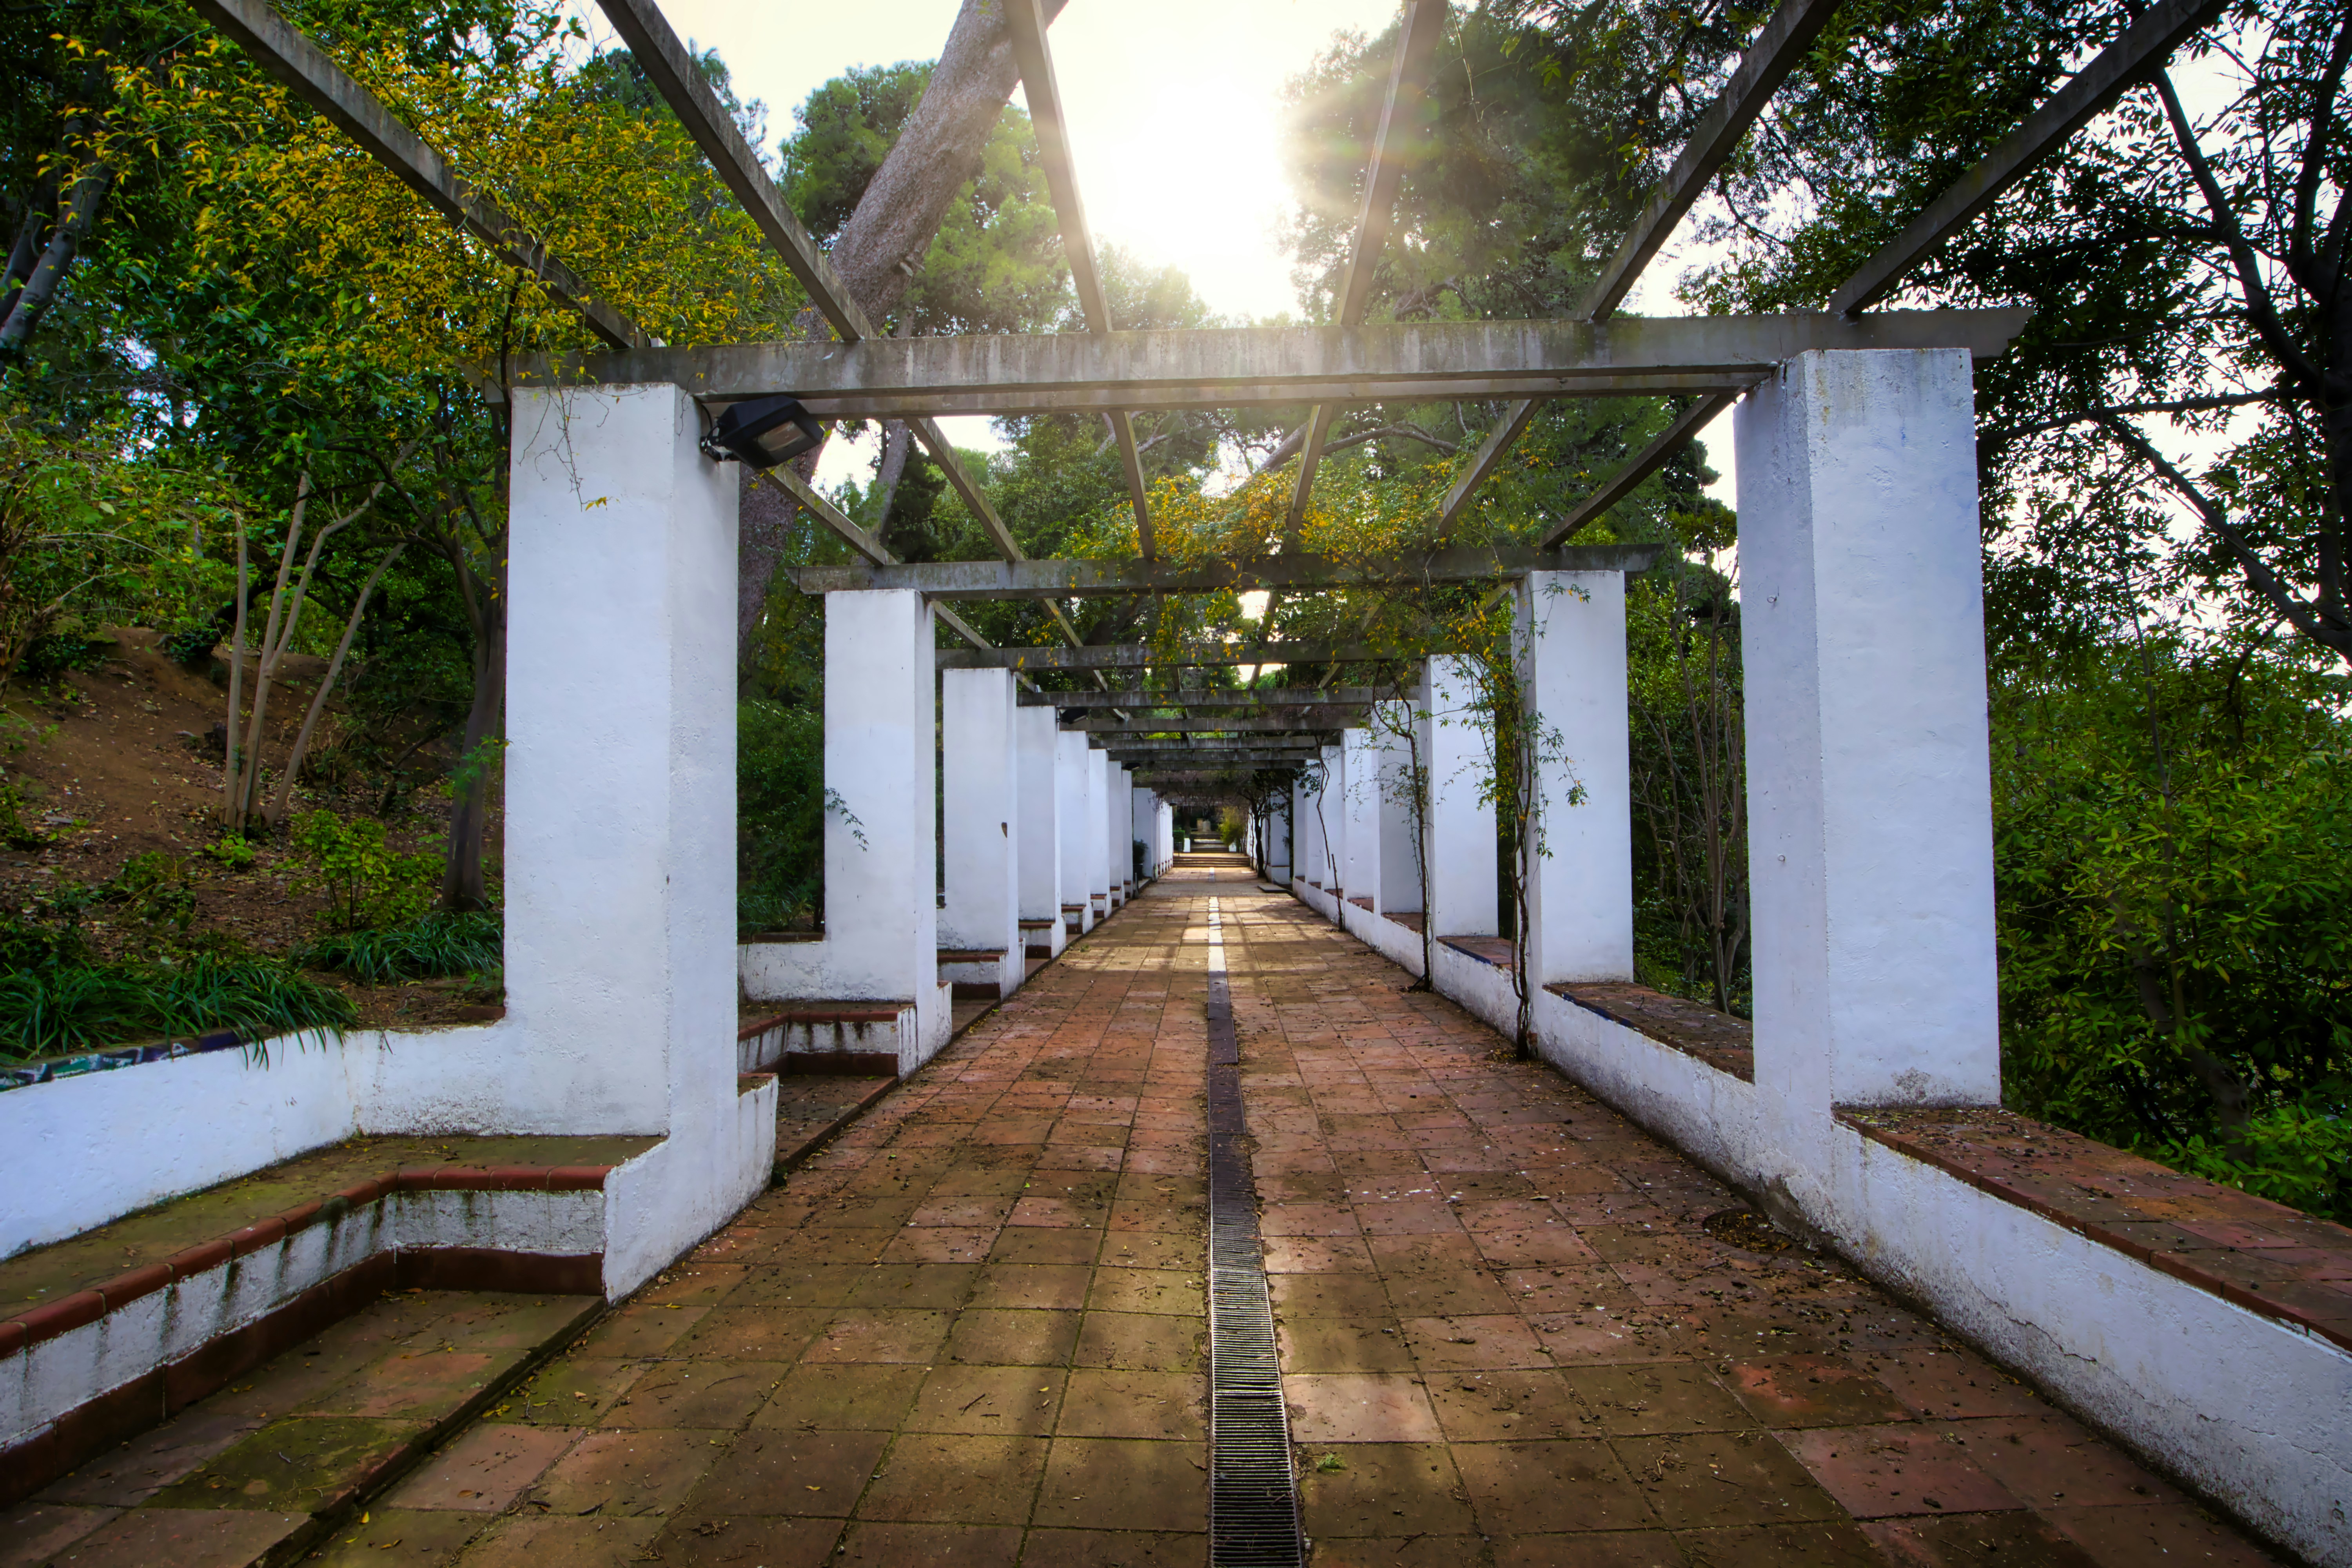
970, 955
855, 1010
2264, 1256
1494, 950
1723, 1042
141, 1253
1363, 904
1409, 919
1046, 924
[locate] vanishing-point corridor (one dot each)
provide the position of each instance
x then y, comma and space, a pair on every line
973, 1331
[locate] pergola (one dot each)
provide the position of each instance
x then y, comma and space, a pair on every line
1867, 774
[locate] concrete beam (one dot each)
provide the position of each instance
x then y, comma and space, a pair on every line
1025, 23
1768, 62
1299, 723
1036, 372
1651, 458
668, 64
1482, 467
1137, 656
2143, 47
1223, 751
319, 81
1083, 579
1237, 697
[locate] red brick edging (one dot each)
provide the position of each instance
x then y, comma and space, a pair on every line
50, 1319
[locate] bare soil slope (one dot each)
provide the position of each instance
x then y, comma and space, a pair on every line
114, 761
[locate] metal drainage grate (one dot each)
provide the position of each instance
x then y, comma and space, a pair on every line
1253, 1491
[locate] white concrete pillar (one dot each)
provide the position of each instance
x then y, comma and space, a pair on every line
1571, 633
1038, 837
1143, 824
982, 822
1359, 868
1119, 832
620, 818
1399, 872
1279, 837
1862, 622
1460, 838
1071, 781
1166, 837
1330, 806
1099, 832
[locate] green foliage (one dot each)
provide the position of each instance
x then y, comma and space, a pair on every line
156, 891
52, 1008
995, 264
2299, 1155
16, 831
88, 533
2173, 849
440, 944
191, 647
369, 885
779, 808
233, 852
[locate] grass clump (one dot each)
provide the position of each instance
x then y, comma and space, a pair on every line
433, 945
69, 1003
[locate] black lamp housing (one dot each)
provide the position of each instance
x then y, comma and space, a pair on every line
743, 432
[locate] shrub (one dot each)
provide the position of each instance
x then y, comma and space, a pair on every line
369, 885
190, 647
436, 944
46, 658
16, 831
779, 808
232, 852
54, 1008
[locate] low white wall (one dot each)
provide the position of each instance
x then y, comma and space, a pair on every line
1392, 942
83, 1151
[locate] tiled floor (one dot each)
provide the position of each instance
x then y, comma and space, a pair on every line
970, 1330
238, 1477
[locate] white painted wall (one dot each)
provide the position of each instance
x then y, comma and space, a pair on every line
1073, 781
1571, 633
1097, 834
1118, 820
983, 851
1359, 809
1039, 841
1463, 894
82, 1151
620, 826
1870, 807
881, 843
1400, 856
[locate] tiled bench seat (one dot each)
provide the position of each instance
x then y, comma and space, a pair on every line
106, 1333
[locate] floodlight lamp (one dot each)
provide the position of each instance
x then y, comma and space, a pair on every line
763, 432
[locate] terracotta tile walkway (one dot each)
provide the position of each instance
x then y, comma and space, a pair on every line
970, 1330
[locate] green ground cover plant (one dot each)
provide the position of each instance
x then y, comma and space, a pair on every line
434, 944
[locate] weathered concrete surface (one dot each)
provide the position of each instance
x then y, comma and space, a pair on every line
1039, 372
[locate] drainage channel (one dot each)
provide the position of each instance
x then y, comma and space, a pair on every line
1253, 1491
